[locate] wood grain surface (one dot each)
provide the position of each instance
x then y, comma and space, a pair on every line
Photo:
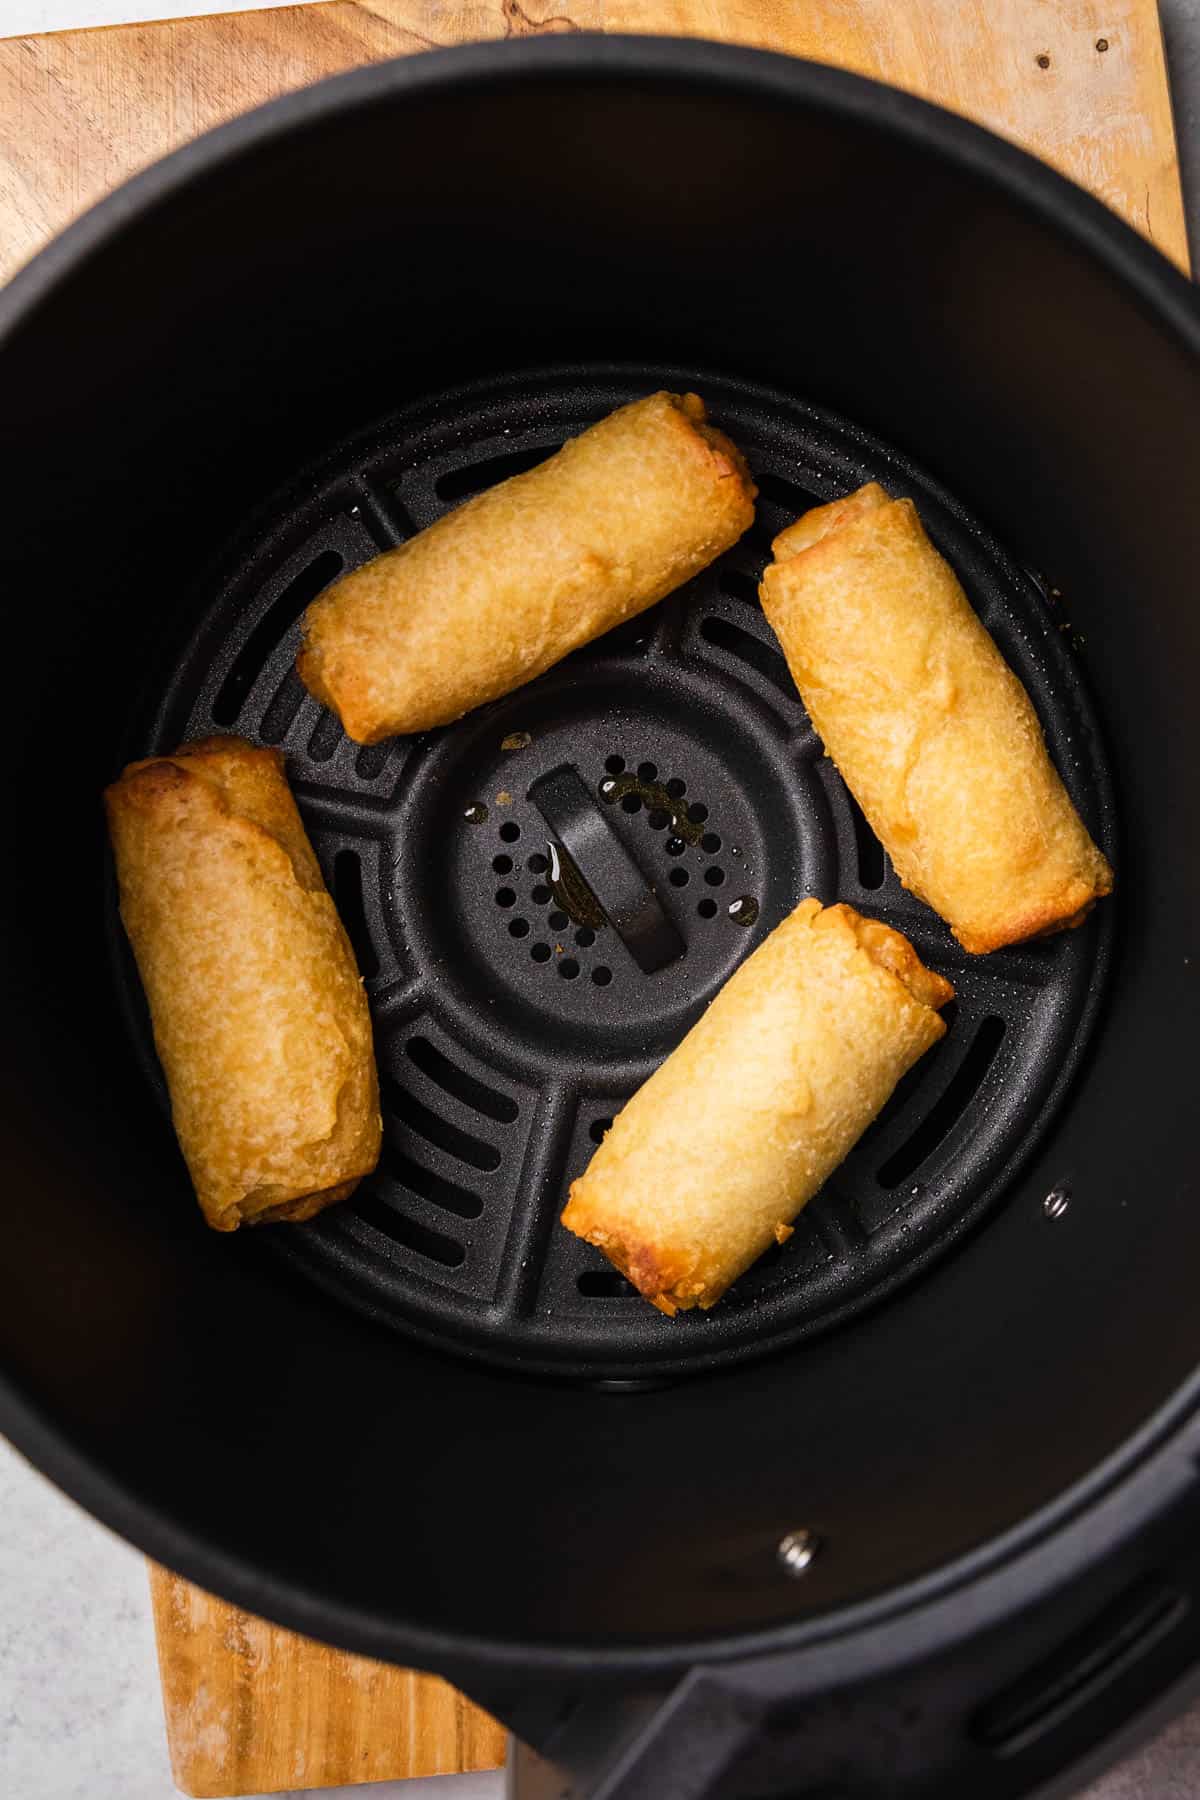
81, 110
251, 1709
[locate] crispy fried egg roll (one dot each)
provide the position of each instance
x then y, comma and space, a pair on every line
502, 588
931, 730
259, 1014
714, 1156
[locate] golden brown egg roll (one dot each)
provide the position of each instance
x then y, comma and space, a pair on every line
258, 1010
932, 732
509, 583
715, 1155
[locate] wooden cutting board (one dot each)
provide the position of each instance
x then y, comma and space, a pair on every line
79, 111
252, 1709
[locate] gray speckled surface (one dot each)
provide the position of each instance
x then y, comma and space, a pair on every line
80, 1717
1167, 1769
77, 1703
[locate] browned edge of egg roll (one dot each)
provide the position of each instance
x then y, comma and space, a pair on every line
711, 1160
506, 585
932, 732
258, 1010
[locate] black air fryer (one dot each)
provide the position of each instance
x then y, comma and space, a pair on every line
914, 1511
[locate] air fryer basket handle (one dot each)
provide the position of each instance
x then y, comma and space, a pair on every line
598, 1746
1027, 1705
709, 1742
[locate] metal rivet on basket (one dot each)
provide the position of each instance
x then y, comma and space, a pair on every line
797, 1550
1056, 1202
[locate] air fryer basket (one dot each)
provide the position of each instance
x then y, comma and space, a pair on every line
508, 1028
432, 1425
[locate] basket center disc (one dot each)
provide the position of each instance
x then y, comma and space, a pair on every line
709, 795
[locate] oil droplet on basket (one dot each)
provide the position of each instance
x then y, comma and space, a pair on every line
572, 892
664, 807
744, 910
476, 813
734, 850
516, 740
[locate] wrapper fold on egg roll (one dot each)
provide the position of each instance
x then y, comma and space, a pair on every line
258, 1010
932, 732
711, 1160
505, 586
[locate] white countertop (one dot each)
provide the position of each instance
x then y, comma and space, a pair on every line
80, 1715
24, 18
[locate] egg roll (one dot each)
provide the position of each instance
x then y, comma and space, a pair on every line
258, 1011
712, 1159
932, 732
505, 586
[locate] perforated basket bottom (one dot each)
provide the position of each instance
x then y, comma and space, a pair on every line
507, 1037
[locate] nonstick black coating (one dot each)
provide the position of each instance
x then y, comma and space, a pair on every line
178, 360
507, 1032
